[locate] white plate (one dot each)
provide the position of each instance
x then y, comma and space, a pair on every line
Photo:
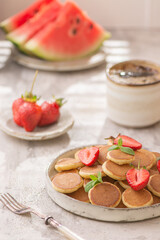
92, 211
8, 126
80, 64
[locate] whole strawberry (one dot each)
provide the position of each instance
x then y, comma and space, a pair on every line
15, 109
50, 112
26, 112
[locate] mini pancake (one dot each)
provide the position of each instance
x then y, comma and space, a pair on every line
105, 194
67, 182
80, 195
155, 199
154, 184
103, 154
153, 171
157, 154
145, 157
124, 184
119, 186
134, 199
108, 179
154, 167
68, 164
117, 172
86, 171
120, 157
68, 171
120, 205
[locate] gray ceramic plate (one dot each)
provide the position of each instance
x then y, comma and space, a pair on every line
60, 66
92, 211
8, 126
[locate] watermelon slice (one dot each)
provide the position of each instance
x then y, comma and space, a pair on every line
17, 20
32, 26
71, 36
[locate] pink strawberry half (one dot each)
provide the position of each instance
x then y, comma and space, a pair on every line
89, 156
128, 142
137, 178
158, 164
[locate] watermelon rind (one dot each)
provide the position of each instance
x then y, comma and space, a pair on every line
33, 47
20, 47
6, 26
25, 32
20, 18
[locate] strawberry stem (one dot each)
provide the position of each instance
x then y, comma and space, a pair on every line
59, 101
35, 76
28, 96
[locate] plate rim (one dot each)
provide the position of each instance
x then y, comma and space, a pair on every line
19, 58
41, 137
119, 211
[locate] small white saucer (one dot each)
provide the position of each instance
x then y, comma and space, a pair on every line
87, 62
8, 126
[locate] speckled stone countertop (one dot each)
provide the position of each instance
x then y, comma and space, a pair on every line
23, 163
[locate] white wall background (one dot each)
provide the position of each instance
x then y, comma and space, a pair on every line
109, 13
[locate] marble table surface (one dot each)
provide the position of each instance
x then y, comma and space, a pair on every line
23, 163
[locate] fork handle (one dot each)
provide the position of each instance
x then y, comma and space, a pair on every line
62, 229
68, 233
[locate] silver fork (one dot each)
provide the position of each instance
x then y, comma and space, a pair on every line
20, 209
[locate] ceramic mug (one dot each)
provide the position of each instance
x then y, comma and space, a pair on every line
133, 101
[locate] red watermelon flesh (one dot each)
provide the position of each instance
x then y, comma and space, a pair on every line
71, 36
32, 26
17, 20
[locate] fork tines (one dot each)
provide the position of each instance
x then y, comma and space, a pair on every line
10, 202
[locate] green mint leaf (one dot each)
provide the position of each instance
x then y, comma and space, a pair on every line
113, 147
127, 150
93, 177
90, 185
100, 177
144, 167
120, 142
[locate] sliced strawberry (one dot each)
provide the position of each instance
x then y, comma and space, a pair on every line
158, 164
128, 142
89, 156
137, 178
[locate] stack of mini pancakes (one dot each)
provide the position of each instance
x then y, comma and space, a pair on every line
115, 191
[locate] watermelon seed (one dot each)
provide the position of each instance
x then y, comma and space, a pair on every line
74, 31
78, 20
36, 10
91, 26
